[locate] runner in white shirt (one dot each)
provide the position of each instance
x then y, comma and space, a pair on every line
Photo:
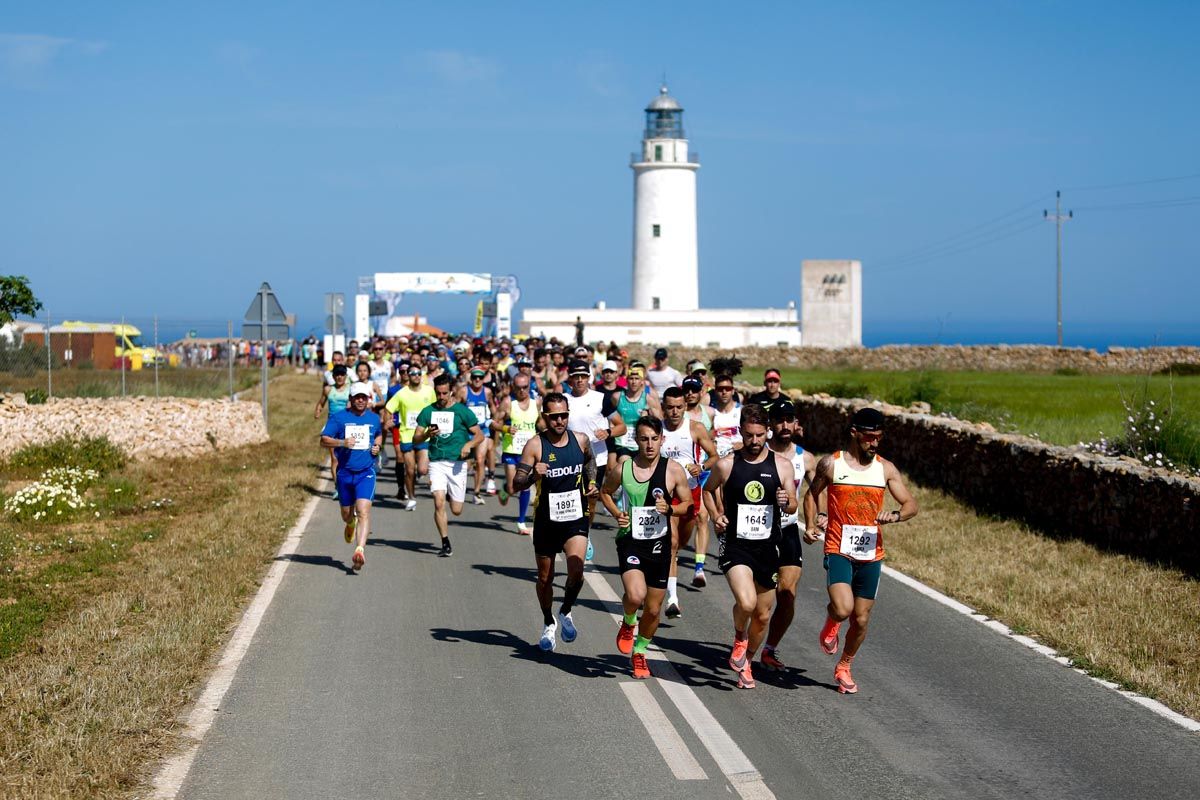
686, 442
662, 375
726, 417
595, 414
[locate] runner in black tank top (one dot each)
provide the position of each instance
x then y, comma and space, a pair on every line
562, 461
748, 489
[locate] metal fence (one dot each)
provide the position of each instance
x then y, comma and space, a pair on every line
135, 355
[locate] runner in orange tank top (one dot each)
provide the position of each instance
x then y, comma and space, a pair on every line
856, 479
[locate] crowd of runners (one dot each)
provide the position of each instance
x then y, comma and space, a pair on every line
670, 456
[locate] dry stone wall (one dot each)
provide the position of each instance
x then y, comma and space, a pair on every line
1113, 503
144, 427
996, 358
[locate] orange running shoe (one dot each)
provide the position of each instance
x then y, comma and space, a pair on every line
350, 528
771, 661
359, 558
745, 676
845, 683
641, 670
737, 659
829, 636
625, 638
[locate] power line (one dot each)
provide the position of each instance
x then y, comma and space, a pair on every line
970, 233
1172, 202
894, 265
1097, 187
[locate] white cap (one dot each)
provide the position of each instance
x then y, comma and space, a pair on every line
610, 364
361, 388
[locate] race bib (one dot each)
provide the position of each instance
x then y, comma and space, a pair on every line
626, 441
520, 439
724, 447
410, 419
444, 421
647, 523
754, 522
789, 519
566, 506
860, 542
480, 413
360, 436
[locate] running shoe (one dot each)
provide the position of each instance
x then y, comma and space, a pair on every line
699, 580
491, 486
737, 658
410, 505
348, 532
591, 551
845, 683
829, 637
447, 550
771, 661
479, 499
359, 558
547, 642
569, 632
641, 670
625, 638
745, 677
503, 495
673, 611
524, 529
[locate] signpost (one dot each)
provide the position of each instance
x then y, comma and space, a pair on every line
265, 320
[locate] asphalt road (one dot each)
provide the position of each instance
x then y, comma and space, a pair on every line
420, 677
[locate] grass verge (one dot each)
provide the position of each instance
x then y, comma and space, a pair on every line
1126, 621
108, 624
1060, 409
172, 382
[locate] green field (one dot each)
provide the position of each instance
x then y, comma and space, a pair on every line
1061, 409
172, 382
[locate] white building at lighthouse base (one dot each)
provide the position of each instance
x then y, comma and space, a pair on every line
709, 327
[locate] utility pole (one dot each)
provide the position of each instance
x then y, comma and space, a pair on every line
1059, 218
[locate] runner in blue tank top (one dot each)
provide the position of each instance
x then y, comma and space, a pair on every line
479, 399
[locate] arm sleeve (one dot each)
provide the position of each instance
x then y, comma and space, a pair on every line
424, 416
333, 428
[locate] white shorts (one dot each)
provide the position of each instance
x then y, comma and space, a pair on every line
449, 477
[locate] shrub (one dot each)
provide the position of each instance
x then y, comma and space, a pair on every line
1154, 433
35, 397
57, 494
925, 388
86, 452
842, 389
1180, 368
1068, 371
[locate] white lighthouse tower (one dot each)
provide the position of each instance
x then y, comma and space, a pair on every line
665, 265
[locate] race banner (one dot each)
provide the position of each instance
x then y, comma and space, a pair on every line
433, 282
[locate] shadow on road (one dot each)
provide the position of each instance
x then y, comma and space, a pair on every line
405, 544
606, 666
316, 561
708, 665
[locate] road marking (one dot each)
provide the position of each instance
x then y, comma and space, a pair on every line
174, 771
668, 741
999, 627
730, 759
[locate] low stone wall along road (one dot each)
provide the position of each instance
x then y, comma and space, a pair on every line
420, 678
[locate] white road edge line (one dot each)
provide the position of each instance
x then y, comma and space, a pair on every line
1153, 705
668, 741
736, 767
174, 771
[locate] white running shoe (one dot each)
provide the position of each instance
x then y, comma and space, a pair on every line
547, 642
479, 499
410, 505
568, 627
491, 486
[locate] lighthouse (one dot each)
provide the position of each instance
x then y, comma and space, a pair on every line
666, 277
665, 263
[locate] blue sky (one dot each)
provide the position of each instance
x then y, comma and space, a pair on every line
167, 158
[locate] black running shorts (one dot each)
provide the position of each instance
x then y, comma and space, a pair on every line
790, 554
763, 561
651, 557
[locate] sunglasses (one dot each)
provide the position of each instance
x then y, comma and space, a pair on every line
724, 388
870, 436
557, 416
